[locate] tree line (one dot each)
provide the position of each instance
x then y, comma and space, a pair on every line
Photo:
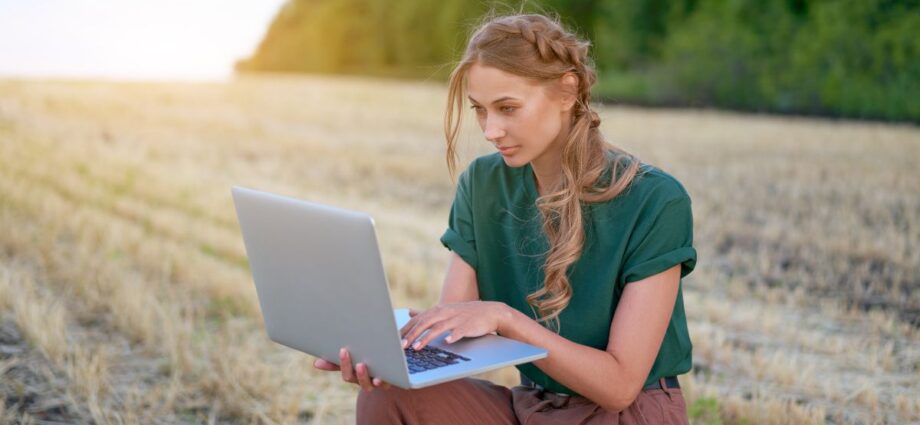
850, 58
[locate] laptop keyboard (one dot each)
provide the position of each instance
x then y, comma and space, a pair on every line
430, 358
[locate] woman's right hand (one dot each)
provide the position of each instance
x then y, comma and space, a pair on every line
356, 375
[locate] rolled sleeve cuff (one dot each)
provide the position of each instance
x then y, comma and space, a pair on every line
452, 241
685, 256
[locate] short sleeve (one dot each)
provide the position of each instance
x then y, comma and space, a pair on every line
662, 240
459, 234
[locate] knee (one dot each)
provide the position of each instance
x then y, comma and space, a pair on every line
393, 405
381, 406
380, 397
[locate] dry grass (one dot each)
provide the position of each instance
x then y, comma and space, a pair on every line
5, 416
122, 261
35, 312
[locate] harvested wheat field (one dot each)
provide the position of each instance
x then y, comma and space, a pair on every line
125, 295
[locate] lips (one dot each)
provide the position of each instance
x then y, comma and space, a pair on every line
507, 149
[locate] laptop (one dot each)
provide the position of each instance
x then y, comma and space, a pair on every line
321, 286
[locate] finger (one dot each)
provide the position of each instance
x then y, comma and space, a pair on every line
380, 383
432, 334
407, 327
416, 317
364, 379
402, 335
424, 321
412, 328
348, 373
323, 364
411, 323
454, 336
419, 329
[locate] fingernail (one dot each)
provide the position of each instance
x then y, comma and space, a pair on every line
404, 343
417, 345
342, 352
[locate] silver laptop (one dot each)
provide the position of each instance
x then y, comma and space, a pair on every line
321, 286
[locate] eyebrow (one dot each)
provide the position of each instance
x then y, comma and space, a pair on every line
494, 101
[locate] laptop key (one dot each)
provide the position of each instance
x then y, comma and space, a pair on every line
430, 358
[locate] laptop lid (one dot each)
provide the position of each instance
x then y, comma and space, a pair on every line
320, 281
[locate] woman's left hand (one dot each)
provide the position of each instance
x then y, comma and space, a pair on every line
466, 319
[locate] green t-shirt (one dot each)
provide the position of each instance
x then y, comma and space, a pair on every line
495, 226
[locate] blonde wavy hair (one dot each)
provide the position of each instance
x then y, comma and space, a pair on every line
537, 47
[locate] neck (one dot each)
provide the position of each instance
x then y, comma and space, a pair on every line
547, 171
547, 168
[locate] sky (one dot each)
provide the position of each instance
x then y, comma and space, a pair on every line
130, 39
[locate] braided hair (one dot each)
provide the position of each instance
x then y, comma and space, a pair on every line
537, 47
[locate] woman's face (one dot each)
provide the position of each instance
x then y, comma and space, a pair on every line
517, 115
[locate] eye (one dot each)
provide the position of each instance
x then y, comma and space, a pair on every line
477, 108
508, 109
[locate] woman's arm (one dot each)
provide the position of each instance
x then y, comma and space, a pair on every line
611, 378
460, 282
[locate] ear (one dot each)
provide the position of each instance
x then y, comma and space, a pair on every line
569, 82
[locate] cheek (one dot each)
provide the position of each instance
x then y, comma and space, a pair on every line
545, 127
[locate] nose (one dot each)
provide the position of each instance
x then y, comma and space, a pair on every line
493, 130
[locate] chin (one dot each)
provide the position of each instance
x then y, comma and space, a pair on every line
514, 162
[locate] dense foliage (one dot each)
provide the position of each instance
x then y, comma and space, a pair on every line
856, 58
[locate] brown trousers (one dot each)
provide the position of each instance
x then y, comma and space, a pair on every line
480, 402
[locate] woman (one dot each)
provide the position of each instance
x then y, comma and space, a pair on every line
559, 240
